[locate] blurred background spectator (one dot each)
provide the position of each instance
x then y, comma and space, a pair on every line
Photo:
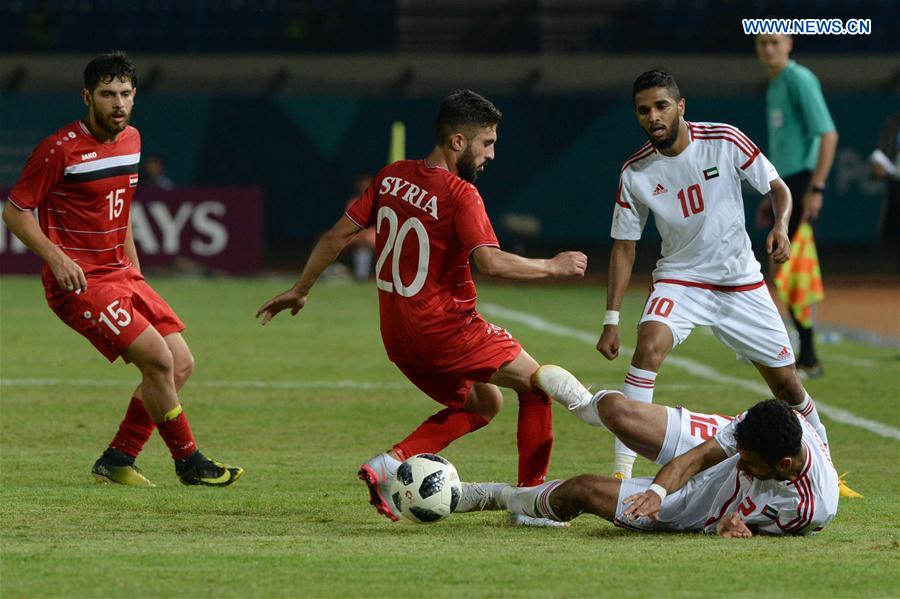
154, 173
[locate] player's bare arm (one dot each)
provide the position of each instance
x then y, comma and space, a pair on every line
497, 263
130, 248
812, 199
24, 226
324, 253
621, 262
778, 245
674, 476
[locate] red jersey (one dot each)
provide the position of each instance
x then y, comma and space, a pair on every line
82, 188
427, 222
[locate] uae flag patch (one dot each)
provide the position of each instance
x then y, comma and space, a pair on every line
711, 173
770, 512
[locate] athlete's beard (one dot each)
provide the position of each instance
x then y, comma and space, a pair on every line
465, 166
667, 142
109, 127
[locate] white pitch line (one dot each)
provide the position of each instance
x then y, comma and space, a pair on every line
693, 367
223, 384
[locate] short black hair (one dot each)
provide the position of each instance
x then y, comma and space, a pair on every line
770, 429
655, 78
107, 67
464, 107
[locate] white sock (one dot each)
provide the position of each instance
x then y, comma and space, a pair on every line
588, 412
639, 386
808, 410
531, 501
562, 387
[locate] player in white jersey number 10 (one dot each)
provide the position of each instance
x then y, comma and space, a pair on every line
689, 174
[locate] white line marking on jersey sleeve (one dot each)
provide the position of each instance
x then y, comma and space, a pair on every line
695, 368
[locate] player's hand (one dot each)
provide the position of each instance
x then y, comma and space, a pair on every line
732, 527
568, 264
812, 204
764, 216
778, 245
647, 504
68, 274
291, 299
608, 345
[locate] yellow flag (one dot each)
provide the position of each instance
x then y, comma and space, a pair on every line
799, 280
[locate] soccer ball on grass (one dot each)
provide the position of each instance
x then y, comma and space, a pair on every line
426, 488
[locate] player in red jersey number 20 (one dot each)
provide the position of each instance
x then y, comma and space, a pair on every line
429, 219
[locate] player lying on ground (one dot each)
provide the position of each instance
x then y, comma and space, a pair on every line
81, 180
766, 471
430, 220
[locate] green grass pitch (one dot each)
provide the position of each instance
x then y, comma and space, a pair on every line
302, 402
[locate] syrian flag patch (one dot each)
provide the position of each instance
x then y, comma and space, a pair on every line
770, 512
711, 173
132, 181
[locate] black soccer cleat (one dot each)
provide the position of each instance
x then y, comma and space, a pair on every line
199, 470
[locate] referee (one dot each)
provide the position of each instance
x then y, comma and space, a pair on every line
802, 144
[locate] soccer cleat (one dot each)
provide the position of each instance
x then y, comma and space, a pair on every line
846, 491
378, 480
523, 520
477, 497
128, 474
208, 473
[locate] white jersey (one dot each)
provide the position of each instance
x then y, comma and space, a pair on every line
799, 507
697, 205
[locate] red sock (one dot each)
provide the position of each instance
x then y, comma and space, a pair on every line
534, 437
135, 429
178, 436
439, 431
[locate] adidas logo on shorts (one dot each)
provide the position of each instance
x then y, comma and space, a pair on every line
784, 354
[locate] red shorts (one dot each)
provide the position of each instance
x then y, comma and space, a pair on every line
491, 347
116, 308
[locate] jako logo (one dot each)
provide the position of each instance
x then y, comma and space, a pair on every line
89, 155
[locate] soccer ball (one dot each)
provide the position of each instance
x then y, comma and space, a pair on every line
426, 488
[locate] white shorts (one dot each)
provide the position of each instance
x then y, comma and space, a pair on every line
687, 508
745, 321
686, 430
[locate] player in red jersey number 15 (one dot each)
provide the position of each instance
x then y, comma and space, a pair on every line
81, 180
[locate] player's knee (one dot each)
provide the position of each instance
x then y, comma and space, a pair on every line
184, 368
485, 402
158, 363
649, 354
615, 410
490, 407
578, 493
